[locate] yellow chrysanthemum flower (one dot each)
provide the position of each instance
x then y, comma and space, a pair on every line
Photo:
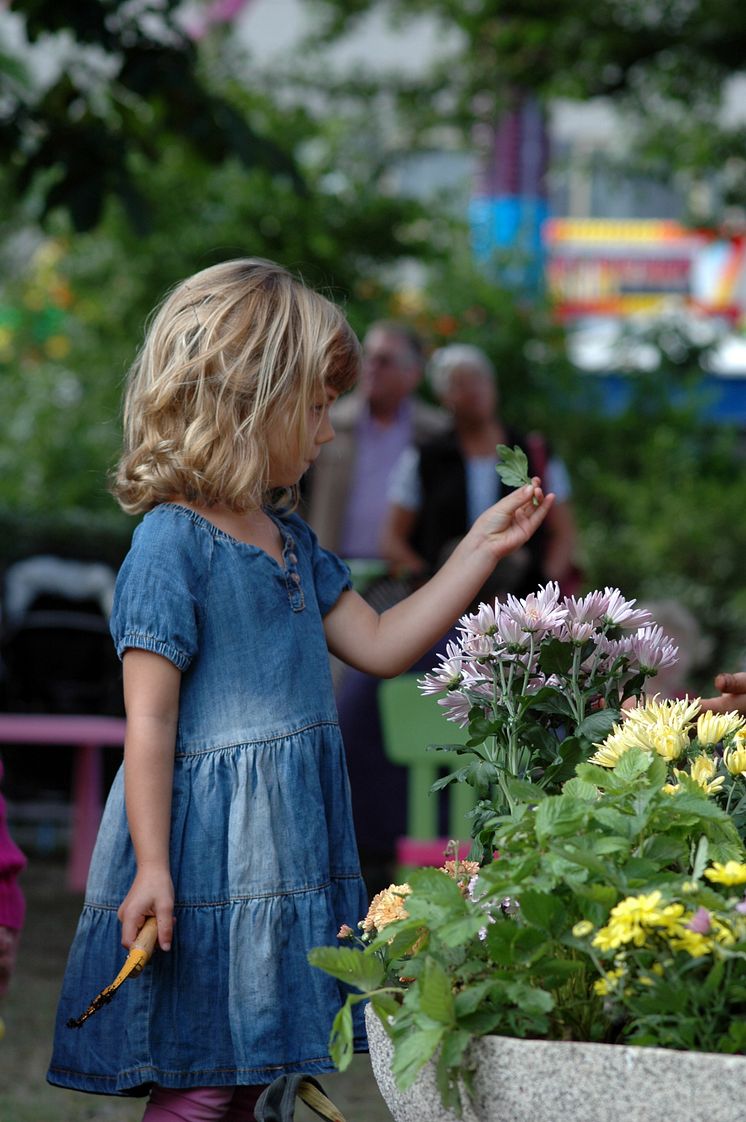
735, 758
675, 714
670, 915
620, 740
692, 942
722, 933
732, 872
669, 742
703, 771
608, 983
714, 727
630, 920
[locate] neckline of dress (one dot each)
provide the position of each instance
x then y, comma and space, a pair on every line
216, 531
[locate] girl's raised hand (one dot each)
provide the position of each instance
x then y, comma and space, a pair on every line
511, 522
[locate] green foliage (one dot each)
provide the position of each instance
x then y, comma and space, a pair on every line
72, 313
82, 138
655, 487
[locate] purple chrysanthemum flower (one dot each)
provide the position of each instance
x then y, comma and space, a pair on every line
577, 631
481, 622
448, 675
456, 707
511, 633
587, 609
651, 649
538, 612
618, 612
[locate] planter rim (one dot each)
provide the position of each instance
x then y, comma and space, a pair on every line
515, 1079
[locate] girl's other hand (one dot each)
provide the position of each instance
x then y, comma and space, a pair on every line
732, 694
151, 894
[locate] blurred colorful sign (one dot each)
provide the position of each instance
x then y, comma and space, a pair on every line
599, 267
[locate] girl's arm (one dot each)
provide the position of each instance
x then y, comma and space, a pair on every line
151, 699
388, 644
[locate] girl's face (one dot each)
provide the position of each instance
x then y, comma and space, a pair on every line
288, 461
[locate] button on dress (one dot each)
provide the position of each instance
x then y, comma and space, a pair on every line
262, 850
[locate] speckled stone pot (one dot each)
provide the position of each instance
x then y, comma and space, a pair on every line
547, 1081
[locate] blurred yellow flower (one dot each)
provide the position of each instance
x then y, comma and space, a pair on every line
714, 727
630, 920
693, 942
732, 872
608, 983
583, 928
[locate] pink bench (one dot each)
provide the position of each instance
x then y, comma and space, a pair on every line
86, 735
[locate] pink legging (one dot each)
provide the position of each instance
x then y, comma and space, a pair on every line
202, 1104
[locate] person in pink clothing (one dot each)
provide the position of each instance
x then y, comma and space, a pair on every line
12, 904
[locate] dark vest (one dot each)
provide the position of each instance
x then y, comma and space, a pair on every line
443, 520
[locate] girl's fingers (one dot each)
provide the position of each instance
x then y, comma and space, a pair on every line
130, 927
514, 500
165, 917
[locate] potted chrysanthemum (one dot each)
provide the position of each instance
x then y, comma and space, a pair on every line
594, 954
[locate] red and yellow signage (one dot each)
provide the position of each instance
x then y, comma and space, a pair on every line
622, 267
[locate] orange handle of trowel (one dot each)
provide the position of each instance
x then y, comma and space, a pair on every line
143, 945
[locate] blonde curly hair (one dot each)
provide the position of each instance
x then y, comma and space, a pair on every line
232, 352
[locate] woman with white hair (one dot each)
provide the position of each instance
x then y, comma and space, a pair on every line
438, 488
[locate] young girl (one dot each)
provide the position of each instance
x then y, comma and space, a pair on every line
231, 821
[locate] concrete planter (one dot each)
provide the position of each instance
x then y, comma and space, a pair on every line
544, 1080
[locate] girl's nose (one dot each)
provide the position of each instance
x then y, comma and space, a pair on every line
326, 431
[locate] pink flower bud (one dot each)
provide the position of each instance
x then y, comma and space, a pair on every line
700, 922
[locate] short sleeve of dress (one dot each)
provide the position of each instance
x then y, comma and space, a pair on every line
331, 577
159, 588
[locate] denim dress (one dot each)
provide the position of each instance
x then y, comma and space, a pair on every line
263, 854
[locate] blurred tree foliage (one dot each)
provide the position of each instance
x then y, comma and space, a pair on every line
131, 85
667, 62
79, 282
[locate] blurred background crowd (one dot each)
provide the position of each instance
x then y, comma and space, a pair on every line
535, 218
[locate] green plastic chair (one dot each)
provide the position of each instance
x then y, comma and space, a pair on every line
410, 722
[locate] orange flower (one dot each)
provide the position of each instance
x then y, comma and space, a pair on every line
386, 907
